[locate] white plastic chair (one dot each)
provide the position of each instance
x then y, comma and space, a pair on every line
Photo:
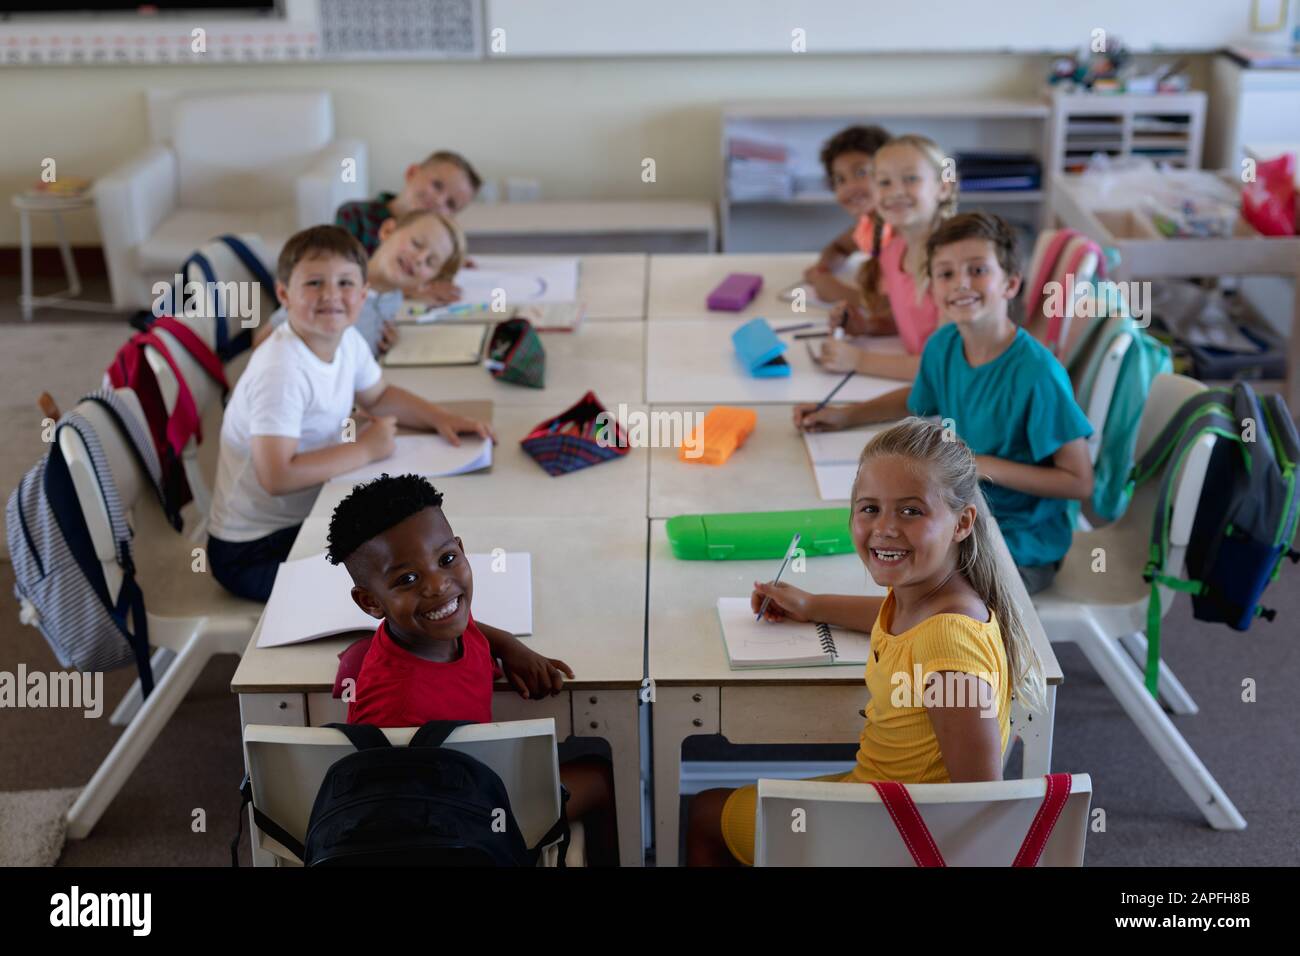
1099, 610
287, 764
973, 824
1096, 404
189, 613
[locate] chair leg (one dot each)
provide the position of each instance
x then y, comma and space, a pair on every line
1118, 673
1172, 693
134, 697
138, 737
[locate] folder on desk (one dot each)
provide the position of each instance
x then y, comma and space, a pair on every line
437, 345
760, 350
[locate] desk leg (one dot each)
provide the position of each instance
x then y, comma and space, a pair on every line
678, 713
614, 715
25, 249
278, 710
1036, 733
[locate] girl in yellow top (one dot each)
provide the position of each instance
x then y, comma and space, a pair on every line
948, 644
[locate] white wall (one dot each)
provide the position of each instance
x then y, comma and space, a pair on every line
580, 127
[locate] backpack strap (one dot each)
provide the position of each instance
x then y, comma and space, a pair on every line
435, 732
152, 470
264, 823
559, 831
251, 263
197, 349
916, 835
1040, 831
363, 736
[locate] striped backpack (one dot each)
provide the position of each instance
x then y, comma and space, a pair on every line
60, 582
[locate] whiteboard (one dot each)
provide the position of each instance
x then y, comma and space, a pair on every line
691, 27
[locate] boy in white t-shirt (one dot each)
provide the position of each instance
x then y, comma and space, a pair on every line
284, 430
416, 249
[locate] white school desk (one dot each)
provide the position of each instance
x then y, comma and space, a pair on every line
697, 692
693, 361
556, 226
517, 487
605, 357
610, 287
678, 487
680, 286
588, 610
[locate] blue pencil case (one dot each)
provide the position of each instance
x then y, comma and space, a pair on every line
760, 350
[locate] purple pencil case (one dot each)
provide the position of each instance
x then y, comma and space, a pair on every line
735, 292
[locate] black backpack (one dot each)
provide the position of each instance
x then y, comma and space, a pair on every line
1248, 512
419, 805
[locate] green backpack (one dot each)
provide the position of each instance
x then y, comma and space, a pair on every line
1246, 516
1142, 362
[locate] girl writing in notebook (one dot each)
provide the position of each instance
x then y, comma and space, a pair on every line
915, 191
918, 521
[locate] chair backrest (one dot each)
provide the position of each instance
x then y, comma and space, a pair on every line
241, 150
287, 764
810, 823
1168, 393
131, 482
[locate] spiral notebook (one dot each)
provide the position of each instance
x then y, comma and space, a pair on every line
751, 643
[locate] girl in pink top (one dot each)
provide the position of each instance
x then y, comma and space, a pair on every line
914, 193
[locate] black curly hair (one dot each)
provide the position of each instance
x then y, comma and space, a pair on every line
375, 506
854, 139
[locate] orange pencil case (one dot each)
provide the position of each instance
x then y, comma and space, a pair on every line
723, 430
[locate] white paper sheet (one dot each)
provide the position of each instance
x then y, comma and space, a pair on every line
429, 455
313, 599
834, 458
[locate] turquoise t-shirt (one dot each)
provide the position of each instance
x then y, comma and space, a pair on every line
1019, 407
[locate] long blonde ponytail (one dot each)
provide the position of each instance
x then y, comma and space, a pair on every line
952, 466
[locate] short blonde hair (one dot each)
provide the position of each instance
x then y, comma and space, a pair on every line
453, 263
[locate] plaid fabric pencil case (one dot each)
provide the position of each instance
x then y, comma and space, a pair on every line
515, 354
576, 438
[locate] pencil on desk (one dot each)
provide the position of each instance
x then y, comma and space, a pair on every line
794, 328
812, 335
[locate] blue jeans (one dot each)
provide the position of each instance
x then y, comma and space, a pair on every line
248, 568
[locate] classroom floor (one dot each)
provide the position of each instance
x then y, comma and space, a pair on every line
196, 762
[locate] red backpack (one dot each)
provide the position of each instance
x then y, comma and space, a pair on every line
130, 369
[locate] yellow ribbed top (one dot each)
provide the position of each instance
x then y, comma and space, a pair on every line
898, 741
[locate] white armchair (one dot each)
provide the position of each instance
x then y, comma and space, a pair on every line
264, 163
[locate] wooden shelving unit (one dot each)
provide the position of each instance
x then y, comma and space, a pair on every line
1165, 127
810, 217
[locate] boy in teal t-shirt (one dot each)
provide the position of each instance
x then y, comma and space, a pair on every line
1007, 396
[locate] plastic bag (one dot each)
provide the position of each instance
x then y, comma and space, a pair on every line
1269, 202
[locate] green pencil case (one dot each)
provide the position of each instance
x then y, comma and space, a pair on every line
759, 535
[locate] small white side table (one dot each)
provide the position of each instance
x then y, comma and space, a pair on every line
56, 206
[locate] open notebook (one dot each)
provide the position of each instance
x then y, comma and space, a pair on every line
313, 598
542, 290
751, 643
429, 455
834, 458
452, 344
